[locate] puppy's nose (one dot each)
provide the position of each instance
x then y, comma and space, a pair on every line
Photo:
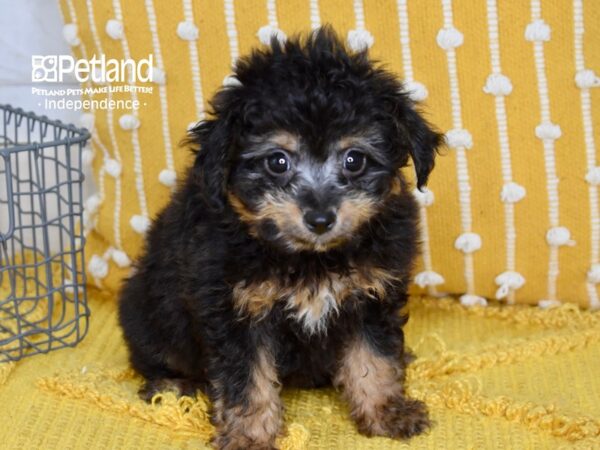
319, 222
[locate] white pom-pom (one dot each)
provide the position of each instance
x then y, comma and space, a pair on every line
459, 138
191, 125
92, 203
416, 91
472, 300
549, 304
266, 33
140, 224
120, 258
468, 242
537, 31
498, 84
129, 122
187, 31
512, 192
586, 79
359, 40
158, 76
424, 198
514, 280
593, 176
502, 292
593, 274
548, 130
70, 34
112, 167
114, 29
87, 157
508, 281
558, 236
167, 177
86, 120
428, 278
231, 80
448, 38
98, 267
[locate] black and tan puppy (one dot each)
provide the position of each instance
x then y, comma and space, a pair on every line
285, 255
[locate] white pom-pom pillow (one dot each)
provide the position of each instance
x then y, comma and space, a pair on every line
512, 211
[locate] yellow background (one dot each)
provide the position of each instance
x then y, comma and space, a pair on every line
430, 68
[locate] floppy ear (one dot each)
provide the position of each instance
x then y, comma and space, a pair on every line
214, 141
423, 143
414, 136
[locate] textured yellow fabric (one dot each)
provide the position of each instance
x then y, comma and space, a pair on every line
492, 378
449, 47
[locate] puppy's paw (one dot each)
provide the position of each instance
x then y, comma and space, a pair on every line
399, 418
180, 386
237, 442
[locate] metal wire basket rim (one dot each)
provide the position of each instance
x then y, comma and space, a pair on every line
82, 134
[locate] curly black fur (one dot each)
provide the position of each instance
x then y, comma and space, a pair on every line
181, 313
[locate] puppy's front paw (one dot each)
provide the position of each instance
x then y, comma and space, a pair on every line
399, 418
180, 386
235, 441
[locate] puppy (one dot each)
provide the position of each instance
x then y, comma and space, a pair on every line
285, 255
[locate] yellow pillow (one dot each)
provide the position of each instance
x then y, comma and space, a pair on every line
512, 211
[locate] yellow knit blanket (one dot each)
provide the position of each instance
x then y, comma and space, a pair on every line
492, 377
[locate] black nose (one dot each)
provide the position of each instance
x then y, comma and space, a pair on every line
319, 222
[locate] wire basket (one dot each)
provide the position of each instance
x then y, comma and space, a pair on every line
43, 304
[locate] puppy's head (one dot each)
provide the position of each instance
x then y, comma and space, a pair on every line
307, 148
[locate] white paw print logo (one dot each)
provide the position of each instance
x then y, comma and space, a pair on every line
44, 68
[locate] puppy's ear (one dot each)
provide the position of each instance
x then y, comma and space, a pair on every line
414, 136
213, 140
423, 143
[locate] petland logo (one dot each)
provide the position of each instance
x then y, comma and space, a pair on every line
53, 68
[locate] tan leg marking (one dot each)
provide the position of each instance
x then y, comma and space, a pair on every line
372, 385
257, 422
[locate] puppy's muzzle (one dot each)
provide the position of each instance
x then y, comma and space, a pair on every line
319, 222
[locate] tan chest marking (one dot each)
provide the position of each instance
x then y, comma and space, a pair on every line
312, 304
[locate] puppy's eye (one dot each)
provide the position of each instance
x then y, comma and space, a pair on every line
277, 163
354, 162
